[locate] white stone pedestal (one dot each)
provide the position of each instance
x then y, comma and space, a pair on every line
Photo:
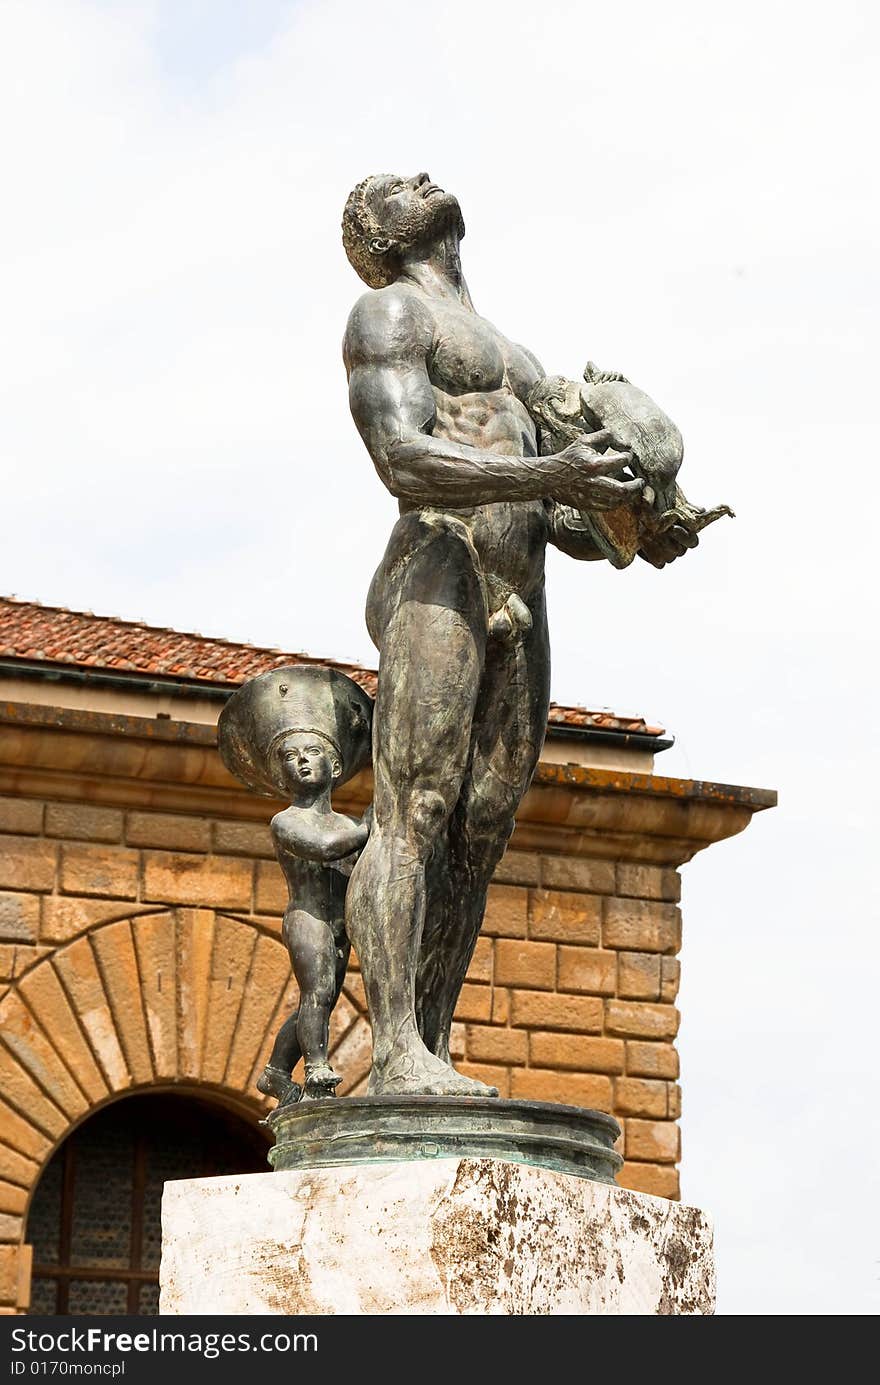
443, 1236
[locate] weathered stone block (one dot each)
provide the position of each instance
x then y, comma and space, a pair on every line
175, 831
431, 1237
154, 940
81, 980
16, 1168
37, 1055
549, 1010
661, 1180
648, 882
217, 882
10, 1273
656, 1142
570, 1088
559, 916
23, 815
22, 1134
518, 868
525, 964
48, 1001
111, 871
269, 975
500, 1005
65, 916
195, 945
670, 977
641, 1020
12, 1198
578, 1052
486, 1044
27, 863
230, 962
639, 975
19, 917
587, 969
10, 1227
651, 1060
577, 873
83, 821
641, 1096
641, 925
117, 961
244, 839
474, 1003
506, 912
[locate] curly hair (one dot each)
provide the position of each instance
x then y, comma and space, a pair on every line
359, 227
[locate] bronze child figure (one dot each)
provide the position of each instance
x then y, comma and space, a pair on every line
299, 732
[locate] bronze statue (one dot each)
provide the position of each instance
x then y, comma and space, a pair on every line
450, 412
298, 732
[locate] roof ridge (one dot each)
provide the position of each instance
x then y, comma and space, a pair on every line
100, 643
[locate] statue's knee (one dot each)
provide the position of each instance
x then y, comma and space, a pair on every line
490, 817
429, 812
316, 999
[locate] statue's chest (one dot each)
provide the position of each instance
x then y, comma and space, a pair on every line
467, 355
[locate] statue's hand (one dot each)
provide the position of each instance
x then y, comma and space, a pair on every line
594, 376
663, 548
591, 479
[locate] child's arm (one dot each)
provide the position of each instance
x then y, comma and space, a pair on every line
320, 838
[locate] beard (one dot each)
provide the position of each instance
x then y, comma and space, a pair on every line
429, 219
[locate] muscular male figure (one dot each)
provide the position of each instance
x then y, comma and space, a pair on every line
456, 609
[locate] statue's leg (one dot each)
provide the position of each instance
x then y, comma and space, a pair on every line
275, 1079
313, 951
432, 643
508, 732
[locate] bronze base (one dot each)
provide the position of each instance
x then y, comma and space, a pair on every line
365, 1130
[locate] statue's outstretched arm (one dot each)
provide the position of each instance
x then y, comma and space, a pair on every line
386, 351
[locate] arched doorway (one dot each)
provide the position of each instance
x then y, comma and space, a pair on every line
94, 1221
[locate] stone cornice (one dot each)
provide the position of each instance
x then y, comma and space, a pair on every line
173, 765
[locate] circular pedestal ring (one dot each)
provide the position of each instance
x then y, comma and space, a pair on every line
364, 1130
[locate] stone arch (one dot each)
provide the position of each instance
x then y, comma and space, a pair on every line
178, 996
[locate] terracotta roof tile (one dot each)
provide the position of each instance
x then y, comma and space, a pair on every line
56, 635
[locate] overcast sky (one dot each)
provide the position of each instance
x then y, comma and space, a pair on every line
684, 192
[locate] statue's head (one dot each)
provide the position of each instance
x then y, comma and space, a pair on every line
387, 216
305, 760
296, 727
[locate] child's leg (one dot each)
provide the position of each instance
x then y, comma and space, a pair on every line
286, 1052
342, 952
275, 1078
313, 953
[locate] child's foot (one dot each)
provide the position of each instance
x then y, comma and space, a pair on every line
278, 1083
321, 1082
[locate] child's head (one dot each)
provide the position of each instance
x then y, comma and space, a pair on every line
305, 762
295, 728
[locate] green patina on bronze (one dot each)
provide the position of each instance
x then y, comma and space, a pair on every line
382, 1129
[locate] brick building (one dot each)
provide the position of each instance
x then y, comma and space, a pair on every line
142, 975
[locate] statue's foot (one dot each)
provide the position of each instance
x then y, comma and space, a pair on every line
278, 1083
321, 1082
422, 1074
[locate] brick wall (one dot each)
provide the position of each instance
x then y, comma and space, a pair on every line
142, 948
570, 998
